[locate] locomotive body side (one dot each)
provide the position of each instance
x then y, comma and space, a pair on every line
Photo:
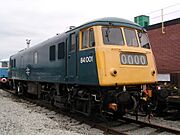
73, 67
33, 64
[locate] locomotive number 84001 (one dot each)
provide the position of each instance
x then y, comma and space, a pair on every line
105, 66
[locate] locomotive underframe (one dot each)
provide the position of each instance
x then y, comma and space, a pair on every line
90, 100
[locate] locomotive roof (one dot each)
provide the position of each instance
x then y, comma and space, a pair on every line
48, 41
114, 21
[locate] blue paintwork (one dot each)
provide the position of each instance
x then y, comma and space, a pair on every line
68, 70
3, 72
88, 70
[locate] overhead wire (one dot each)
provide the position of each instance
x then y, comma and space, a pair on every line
156, 14
163, 8
167, 13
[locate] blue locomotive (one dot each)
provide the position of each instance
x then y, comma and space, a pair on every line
4, 65
105, 66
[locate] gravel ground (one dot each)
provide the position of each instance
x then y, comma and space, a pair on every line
20, 117
24, 118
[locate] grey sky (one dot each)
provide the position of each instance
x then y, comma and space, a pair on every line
42, 19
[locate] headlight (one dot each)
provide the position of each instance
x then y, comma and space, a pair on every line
113, 72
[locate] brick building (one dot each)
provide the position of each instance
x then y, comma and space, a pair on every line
166, 48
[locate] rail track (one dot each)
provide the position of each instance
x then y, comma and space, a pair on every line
128, 126
123, 126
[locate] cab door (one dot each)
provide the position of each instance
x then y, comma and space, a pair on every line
72, 58
87, 73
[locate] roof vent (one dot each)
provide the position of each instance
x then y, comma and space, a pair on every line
72, 27
28, 41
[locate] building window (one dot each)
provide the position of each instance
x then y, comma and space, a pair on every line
72, 42
4, 64
61, 50
131, 37
52, 53
35, 58
88, 38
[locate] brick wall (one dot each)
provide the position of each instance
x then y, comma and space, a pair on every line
166, 47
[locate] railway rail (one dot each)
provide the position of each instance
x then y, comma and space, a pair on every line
128, 126
123, 126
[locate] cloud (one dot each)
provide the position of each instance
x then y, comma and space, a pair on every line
41, 19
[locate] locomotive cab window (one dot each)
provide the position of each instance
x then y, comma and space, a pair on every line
144, 41
88, 38
131, 38
112, 36
52, 53
91, 38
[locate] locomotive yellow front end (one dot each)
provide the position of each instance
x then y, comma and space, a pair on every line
126, 65
124, 57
